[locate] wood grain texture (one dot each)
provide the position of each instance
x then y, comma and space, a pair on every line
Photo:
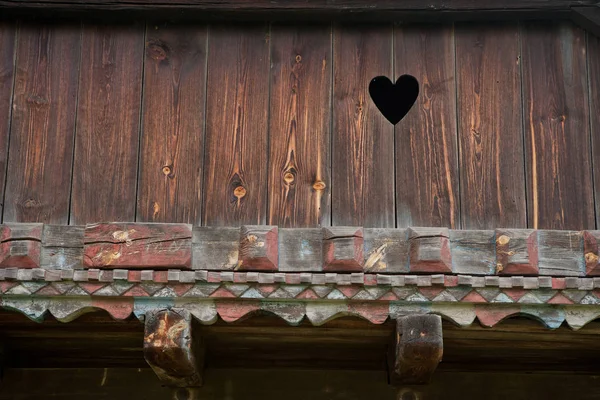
141, 246
8, 34
108, 116
426, 150
593, 54
490, 129
235, 172
43, 124
557, 129
173, 124
363, 142
299, 126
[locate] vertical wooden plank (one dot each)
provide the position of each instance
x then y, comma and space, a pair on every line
593, 54
108, 116
299, 126
490, 126
363, 141
173, 124
557, 130
235, 167
426, 149
8, 33
43, 124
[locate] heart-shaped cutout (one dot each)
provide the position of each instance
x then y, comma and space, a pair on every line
394, 100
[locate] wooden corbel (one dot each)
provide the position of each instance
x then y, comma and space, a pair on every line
417, 349
175, 355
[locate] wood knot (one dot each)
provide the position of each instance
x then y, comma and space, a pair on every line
157, 50
239, 192
167, 170
591, 258
319, 185
503, 240
298, 58
289, 178
31, 203
38, 100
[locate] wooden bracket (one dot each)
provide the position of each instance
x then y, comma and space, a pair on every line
170, 348
418, 348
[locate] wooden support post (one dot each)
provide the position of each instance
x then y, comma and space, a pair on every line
171, 350
418, 348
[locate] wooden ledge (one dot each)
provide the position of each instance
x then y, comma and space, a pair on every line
260, 249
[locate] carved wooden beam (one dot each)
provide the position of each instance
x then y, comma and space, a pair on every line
418, 348
372, 10
174, 354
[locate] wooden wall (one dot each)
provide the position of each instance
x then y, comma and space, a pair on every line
244, 384
273, 124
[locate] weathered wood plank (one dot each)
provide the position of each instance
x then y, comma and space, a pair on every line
173, 124
108, 116
593, 54
561, 253
171, 349
215, 248
43, 124
301, 250
418, 349
235, 173
473, 252
386, 250
557, 128
426, 150
490, 127
62, 247
141, 246
8, 34
363, 160
299, 126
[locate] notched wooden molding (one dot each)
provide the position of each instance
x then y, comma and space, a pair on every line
258, 248
343, 249
20, 245
417, 349
171, 349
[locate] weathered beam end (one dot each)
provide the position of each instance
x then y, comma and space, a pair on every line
170, 348
418, 348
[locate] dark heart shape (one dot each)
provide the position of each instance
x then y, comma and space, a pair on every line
394, 100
